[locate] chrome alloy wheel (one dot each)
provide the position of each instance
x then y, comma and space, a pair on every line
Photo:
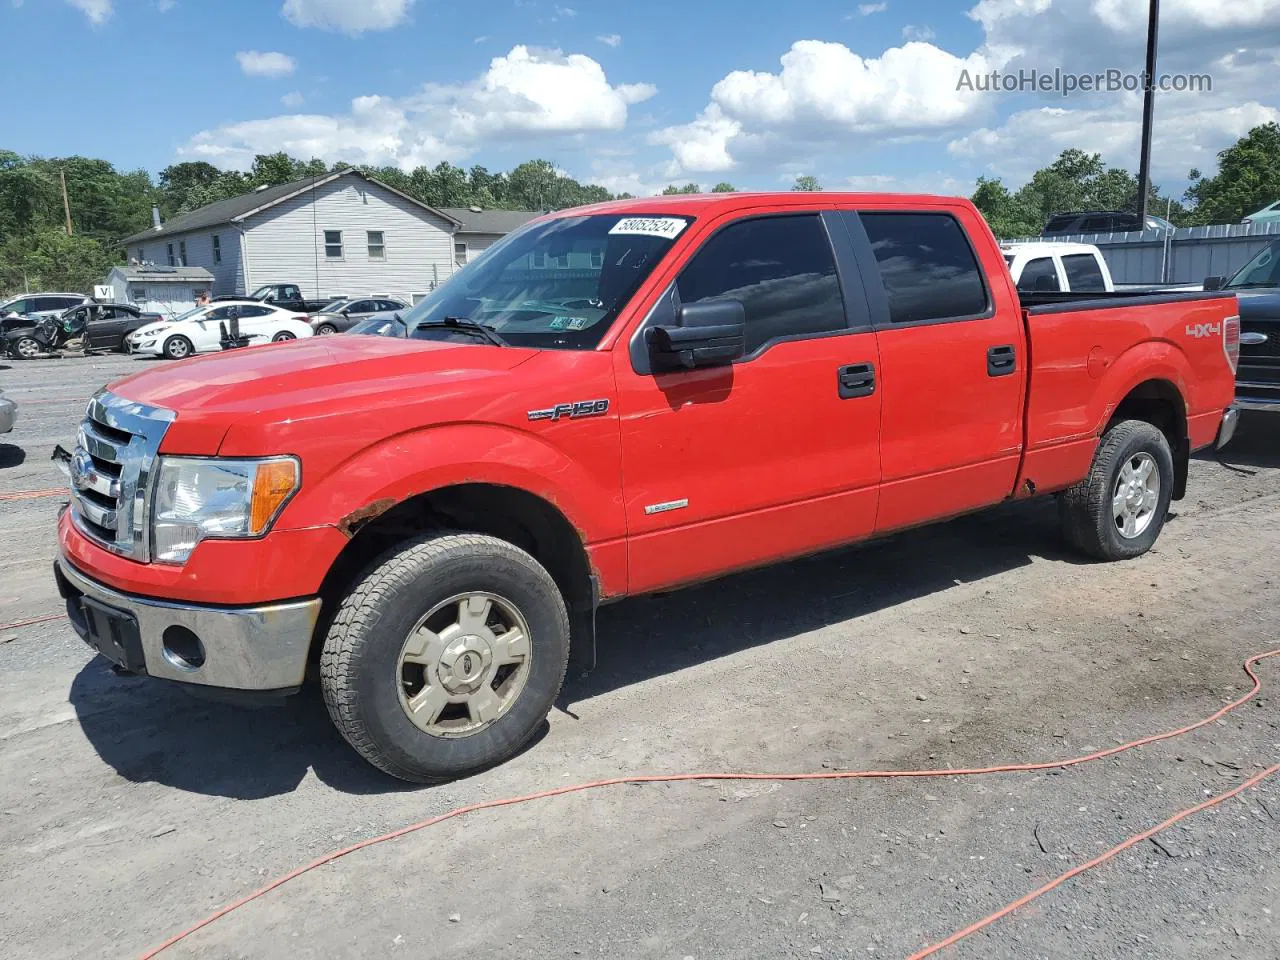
464, 664
1136, 496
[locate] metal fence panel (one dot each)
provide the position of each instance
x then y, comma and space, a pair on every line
1192, 253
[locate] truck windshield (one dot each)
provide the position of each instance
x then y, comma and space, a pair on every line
557, 284
1262, 271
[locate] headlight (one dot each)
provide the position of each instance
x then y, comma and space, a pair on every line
217, 499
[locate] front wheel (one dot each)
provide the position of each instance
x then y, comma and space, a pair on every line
1118, 511
282, 336
178, 348
446, 657
26, 348
326, 330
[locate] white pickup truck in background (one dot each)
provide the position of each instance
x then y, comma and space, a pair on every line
1051, 267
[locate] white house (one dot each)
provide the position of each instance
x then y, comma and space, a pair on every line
480, 229
154, 289
339, 234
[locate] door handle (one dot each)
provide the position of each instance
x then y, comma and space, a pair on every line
1001, 361
856, 380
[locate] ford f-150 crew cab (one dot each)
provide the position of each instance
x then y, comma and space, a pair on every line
611, 400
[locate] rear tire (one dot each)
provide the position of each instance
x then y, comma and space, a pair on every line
178, 348
424, 698
1118, 511
282, 336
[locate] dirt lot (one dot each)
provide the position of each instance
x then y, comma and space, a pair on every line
129, 809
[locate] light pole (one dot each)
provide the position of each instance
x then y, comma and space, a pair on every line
1148, 112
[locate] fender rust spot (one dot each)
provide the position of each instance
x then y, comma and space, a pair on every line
353, 521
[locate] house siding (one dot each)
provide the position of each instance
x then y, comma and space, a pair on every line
227, 275
285, 243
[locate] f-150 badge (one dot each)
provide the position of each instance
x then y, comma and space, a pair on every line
571, 411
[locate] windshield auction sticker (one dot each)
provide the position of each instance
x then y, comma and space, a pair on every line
666, 227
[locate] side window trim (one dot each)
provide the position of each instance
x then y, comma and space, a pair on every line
667, 306
878, 296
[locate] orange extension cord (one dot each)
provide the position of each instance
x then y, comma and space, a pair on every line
840, 775
36, 494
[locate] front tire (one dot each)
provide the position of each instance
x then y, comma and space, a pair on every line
446, 657
326, 330
26, 348
178, 348
1118, 511
282, 336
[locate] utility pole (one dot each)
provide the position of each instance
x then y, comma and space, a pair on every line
1148, 111
66, 204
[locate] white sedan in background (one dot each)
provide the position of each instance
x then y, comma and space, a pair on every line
200, 330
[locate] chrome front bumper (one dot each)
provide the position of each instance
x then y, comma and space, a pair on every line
240, 648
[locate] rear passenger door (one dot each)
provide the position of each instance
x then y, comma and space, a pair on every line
952, 365
776, 454
1084, 275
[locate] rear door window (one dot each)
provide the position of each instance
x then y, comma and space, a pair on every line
1083, 273
1039, 274
782, 271
927, 265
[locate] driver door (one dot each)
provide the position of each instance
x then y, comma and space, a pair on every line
777, 454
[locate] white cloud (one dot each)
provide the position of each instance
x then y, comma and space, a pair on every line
96, 10
924, 34
347, 16
867, 9
270, 64
825, 99
566, 13
527, 93
293, 100
479, 40
164, 6
610, 39
824, 93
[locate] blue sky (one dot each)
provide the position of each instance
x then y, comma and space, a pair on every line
631, 95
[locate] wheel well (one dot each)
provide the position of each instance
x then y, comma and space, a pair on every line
1159, 403
511, 514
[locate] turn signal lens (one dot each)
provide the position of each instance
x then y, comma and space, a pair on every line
273, 483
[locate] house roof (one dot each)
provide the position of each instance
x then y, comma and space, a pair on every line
164, 274
489, 221
235, 209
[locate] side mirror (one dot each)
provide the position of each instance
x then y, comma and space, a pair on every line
708, 334
1215, 283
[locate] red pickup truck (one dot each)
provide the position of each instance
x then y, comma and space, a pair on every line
612, 400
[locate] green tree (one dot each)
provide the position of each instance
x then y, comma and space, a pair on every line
1248, 178
807, 183
1008, 215
723, 187
674, 190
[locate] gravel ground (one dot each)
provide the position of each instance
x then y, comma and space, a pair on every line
129, 809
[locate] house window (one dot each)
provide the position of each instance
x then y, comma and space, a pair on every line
597, 258
139, 295
460, 253
539, 258
142, 254
182, 251
377, 247
333, 244
172, 262
217, 249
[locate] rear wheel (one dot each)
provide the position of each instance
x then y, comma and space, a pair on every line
446, 657
1118, 511
176, 348
282, 336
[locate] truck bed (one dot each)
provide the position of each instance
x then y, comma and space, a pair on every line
1041, 303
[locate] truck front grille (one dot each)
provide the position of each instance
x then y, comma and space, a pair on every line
111, 472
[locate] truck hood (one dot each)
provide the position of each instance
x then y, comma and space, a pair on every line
297, 377
1260, 304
